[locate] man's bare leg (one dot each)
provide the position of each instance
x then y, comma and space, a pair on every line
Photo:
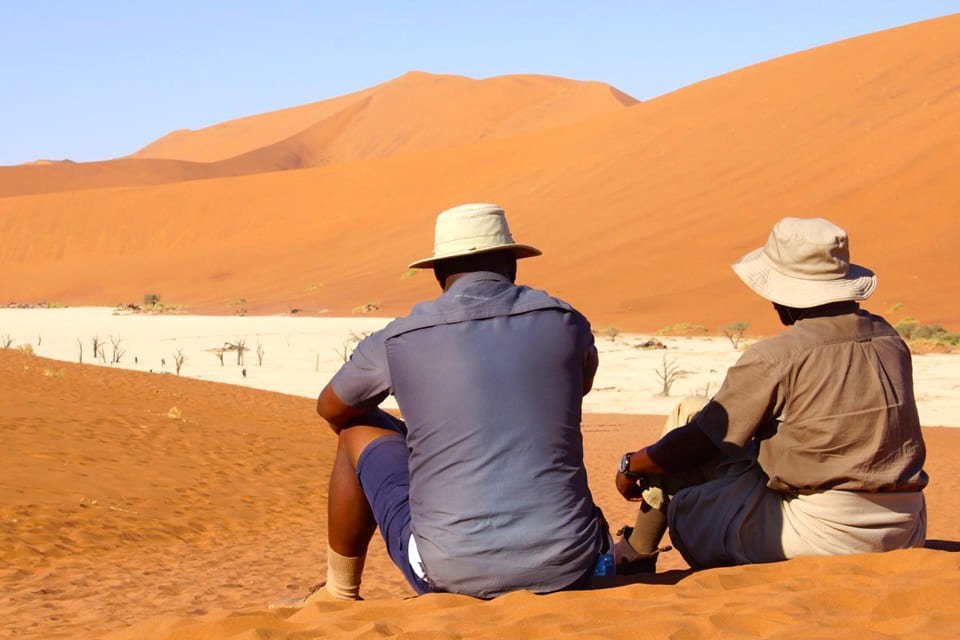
350, 523
641, 543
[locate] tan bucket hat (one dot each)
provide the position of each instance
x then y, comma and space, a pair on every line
472, 228
805, 263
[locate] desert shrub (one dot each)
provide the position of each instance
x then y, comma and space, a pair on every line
25, 348
151, 300
911, 330
734, 332
682, 329
368, 307
611, 333
239, 306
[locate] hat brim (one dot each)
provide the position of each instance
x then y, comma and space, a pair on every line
518, 250
800, 293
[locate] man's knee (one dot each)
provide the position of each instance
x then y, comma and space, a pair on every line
354, 440
683, 413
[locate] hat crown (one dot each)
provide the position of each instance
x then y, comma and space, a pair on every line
809, 249
471, 227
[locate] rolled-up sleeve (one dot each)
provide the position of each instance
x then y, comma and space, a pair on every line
364, 380
751, 396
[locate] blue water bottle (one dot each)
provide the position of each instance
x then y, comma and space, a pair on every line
604, 568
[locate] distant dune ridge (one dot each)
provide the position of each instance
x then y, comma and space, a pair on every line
414, 112
639, 207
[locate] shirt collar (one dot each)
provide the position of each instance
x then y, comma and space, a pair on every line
476, 276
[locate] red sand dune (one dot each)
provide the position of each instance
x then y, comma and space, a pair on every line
113, 513
638, 211
414, 112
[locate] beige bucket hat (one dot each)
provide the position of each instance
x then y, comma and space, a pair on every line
805, 263
472, 228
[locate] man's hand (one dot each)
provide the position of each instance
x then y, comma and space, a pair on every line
640, 464
629, 489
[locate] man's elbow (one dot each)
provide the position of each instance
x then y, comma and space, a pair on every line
328, 410
587, 385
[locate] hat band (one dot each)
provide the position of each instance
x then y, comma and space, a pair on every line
456, 243
826, 276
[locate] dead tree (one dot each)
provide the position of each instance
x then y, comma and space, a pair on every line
260, 353
179, 359
80, 349
118, 350
6, 340
97, 346
241, 346
219, 351
668, 374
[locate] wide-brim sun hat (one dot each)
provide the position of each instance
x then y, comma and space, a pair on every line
471, 229
805, 263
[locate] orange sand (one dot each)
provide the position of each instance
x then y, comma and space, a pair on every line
113, 513
638, 209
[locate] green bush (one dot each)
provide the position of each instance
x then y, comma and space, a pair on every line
910, 329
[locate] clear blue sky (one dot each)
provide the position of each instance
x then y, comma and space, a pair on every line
92, 79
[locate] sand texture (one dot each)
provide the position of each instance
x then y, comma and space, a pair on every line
638, 209
189, 509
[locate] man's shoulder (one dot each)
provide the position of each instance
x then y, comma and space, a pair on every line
513, 300
820, 332
532, 293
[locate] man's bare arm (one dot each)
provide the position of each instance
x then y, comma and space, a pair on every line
680, 449
335, 411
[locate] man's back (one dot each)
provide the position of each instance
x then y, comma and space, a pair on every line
834, 397
489, 378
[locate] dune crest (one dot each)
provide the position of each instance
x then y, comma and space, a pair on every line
411, 113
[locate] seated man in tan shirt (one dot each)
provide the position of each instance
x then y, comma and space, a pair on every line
812, 446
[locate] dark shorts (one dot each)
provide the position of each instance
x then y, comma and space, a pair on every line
385, 478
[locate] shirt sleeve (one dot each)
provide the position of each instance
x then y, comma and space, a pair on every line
750, 398
588, 346
363, 381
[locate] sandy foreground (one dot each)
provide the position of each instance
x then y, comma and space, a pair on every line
155, 506
300, 354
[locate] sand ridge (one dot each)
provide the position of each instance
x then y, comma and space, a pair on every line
638, 212
385, 120
208, 521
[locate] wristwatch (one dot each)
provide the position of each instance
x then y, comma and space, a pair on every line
625, 467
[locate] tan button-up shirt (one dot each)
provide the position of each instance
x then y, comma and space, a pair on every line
830, 403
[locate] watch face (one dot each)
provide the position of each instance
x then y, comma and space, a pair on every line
625, 463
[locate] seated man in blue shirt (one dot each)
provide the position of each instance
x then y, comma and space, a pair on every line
481, 488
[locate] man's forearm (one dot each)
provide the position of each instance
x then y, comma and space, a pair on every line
335, 411
681, 449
